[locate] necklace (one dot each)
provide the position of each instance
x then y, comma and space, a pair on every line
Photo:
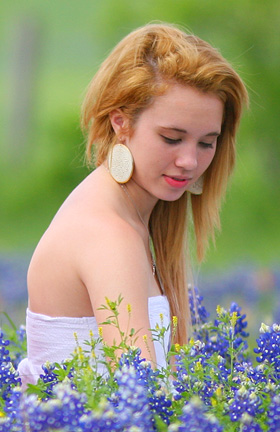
151, 246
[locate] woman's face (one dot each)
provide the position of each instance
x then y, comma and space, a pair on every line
174, 141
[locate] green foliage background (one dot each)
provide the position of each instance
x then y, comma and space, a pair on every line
42, 161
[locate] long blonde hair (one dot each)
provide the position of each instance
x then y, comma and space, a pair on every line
142, 66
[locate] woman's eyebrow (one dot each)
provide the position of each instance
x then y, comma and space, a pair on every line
174, 129
214, 134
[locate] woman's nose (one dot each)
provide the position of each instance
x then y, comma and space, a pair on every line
187, 158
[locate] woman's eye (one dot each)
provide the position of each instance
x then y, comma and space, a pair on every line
206, 145
171, 140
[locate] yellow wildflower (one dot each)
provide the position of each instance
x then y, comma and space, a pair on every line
191, 342
233, 319
219, 310
213, 401
198, 366
219, 392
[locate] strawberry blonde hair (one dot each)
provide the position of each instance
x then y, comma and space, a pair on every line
141, 67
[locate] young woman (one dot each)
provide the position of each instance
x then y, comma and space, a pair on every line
161, 117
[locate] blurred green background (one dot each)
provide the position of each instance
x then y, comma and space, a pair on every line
49, 51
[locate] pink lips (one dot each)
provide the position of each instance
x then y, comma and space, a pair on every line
176, 182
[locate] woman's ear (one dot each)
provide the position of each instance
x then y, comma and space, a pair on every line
119, 122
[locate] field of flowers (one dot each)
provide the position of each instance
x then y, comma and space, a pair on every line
214, 383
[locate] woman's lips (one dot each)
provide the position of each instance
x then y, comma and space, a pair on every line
176, 182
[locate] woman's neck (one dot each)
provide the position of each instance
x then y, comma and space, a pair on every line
139, 199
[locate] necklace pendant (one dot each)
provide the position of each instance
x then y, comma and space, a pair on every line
154, 268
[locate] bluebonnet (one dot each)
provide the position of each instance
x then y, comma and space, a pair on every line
101, 420
8, 375
242, 396
199, 374
246, 369
195, 419
217, 337
199, 314
6, 425
64, 411
145, 374
131, 402
273, 415
127, 409
12, 421
241, 324
53, 373
49, 378
252, 427
186, 362
16, 341
244, 401
19, 344
268, 349
4, 352
158, 401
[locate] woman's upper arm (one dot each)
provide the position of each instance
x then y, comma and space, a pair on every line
114, 263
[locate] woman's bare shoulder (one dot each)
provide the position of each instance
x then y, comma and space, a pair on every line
89, 228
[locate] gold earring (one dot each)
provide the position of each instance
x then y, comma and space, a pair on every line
197, 187
120, 163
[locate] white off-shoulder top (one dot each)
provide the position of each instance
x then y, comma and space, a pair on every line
52, 338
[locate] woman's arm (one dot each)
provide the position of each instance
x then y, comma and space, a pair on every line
112, 261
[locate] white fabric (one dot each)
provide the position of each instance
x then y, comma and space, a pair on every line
52, 339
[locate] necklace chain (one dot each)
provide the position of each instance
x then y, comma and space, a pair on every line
151, 247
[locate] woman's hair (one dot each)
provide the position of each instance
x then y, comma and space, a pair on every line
142, 66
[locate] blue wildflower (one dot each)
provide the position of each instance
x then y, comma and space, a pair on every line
273, 415
132, 407
199, 373
6, 425
199, 314
145, 374
104, 419
62, 412
268, 349
241, 324
51, 376
20, 345
195, 419
246, 369
249, 425
245, 401
8, 375
158, 401
220, 336
11, 409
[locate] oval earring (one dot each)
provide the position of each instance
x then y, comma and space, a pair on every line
197, 187
120, 163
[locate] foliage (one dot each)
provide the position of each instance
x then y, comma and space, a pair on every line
210, 384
